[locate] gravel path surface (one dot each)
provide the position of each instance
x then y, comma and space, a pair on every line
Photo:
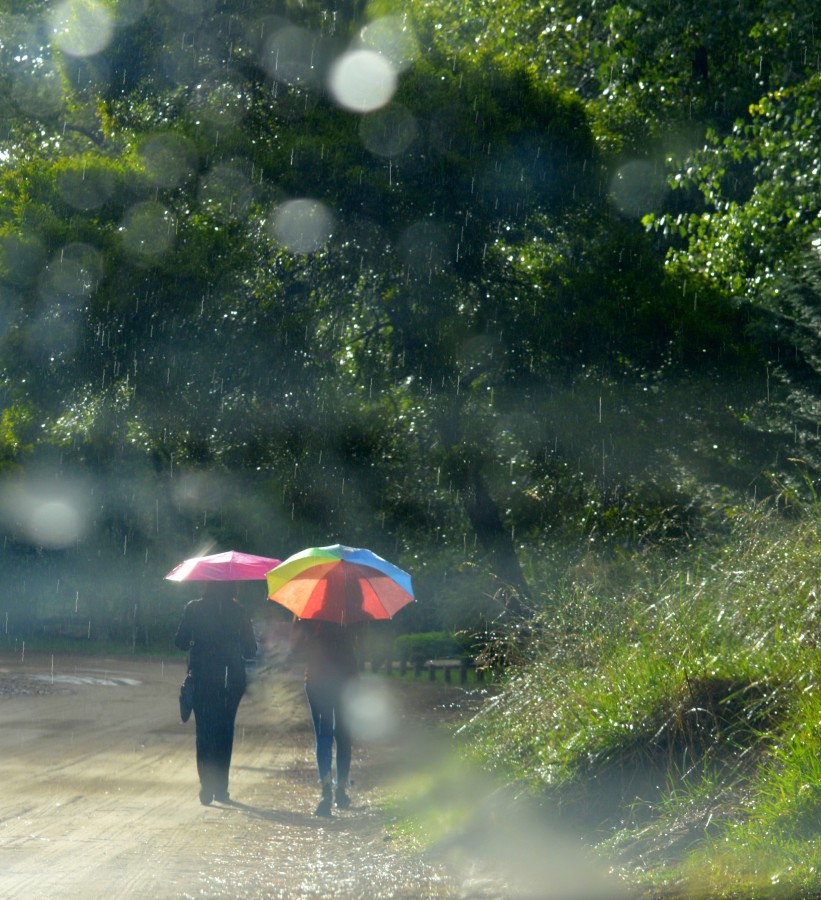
100, 794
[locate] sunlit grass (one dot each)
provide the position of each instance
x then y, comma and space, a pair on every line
431, 804
679, 724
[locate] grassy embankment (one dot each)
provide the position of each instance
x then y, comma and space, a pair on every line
678, 726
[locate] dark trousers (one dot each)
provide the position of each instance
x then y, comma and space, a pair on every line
215, 712
330, 727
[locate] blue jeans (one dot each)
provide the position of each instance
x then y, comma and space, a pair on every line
330, 726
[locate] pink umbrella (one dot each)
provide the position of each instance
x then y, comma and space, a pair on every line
228, 566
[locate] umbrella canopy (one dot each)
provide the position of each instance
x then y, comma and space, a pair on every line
228, 566
340, 584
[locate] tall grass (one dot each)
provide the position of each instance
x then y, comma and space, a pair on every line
679, 724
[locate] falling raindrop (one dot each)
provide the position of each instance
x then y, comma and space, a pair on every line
71, 273
145, 229
226, 191
389, 131
392, 38
81, 27
85, 189
637, 188
362, 81
169, 159
290, 56
303, 226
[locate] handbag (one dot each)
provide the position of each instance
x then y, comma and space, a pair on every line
186, 697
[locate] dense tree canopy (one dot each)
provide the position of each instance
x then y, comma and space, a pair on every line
464, 282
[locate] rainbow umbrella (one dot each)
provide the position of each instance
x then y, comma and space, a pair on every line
339, 584
228, 566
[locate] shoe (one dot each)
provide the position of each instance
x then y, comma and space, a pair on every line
222, 797
343, 801
324, 808
206, 796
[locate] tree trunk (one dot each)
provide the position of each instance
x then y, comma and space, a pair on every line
464, 466
496, 541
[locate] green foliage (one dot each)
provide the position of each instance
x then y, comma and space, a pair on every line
661, 710
664, 68
15, 436
420, 647
760, 194
477, 282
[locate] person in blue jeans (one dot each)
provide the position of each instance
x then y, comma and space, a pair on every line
331, 665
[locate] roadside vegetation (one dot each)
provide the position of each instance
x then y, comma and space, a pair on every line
678, 726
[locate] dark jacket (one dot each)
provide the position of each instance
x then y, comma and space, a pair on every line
218, 636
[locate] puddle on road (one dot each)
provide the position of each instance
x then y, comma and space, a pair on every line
107, 681
22, 683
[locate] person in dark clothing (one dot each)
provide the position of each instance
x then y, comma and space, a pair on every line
329, 652
218, 635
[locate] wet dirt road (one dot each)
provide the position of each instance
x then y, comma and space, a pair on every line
99, 794
100, 797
